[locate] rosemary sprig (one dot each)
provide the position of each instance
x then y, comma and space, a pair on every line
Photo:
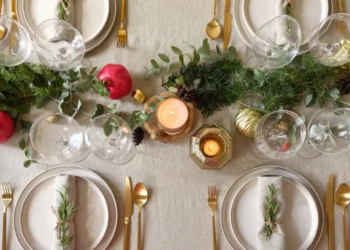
62, 13
271, 211
64, 214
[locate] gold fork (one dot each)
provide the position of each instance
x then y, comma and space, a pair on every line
341, 25
213, 202
6, 200
122, 37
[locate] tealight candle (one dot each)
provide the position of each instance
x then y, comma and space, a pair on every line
172, 115
211, 147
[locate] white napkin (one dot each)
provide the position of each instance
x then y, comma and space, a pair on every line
277, 240
60, 182
280, 9
68, 9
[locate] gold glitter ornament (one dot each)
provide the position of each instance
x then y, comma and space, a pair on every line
138, 96
246, 120
282, 126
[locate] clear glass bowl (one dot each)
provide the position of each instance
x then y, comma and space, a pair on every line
327, 44
279, 134
117, 145
58, 138
15, 46
59, 45
277, 42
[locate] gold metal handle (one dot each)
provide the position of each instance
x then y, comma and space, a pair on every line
215, 8
340, 6
123, 13
4, 231
139, 232
345, 237
214, 233
14, 11
330, 233
126, 233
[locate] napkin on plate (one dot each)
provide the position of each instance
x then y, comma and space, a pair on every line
277, 240
280, 9
60, 182
68, 8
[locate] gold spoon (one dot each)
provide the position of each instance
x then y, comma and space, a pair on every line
139, 196
342, 198
213, 27
2, 28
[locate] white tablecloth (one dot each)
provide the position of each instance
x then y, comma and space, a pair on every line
176, 216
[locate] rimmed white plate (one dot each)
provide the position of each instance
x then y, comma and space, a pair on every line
250, 15
239, 211
92, 44
90, 15
26, 211
38, 221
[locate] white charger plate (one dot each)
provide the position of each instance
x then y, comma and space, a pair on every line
38, 221
250, 15
89, 46
40, 186
90, 15
300, 206
239, 209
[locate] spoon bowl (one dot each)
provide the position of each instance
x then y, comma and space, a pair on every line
213, 29
342, 198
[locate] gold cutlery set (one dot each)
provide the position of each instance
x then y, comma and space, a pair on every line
6, 200
122, 36
213, 203
139, 196
342, 198
213, 28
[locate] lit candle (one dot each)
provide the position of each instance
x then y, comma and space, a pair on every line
172, 115
211, 147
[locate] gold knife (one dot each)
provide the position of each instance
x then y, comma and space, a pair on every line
227, 24
128, 212
329, 211
14, 30
14, 11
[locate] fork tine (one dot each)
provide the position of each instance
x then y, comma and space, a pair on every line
215, 193
6, 188
209, 192
9, 188
2, 188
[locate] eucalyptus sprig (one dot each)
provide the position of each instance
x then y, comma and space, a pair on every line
64, 214
271, 211
23, 143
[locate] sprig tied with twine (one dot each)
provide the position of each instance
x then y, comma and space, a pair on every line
64, 214
271, 211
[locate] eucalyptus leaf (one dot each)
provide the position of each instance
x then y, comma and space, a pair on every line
104, 92
112, 108
27, 163
93, 70
146, 74
176, 50
27, 153
164, 57
65, 77
168, 67
218, 50
196, 58
155, 64
231, 53
181, 59
67, 85
25, 125
144, 117
98, 86
41, 101
99, 110
308, 99
320, 102
206, 47
22, 143
191, 46
155, 71
107, 128
334, 93
153, 107
160, 98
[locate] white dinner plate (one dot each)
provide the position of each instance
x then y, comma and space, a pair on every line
38, 221
91, 189
300, 206
239, 211
90, 15
250, 15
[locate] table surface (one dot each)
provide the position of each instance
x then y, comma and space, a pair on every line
176, 216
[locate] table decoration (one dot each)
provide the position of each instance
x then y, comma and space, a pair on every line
212, 203
64, 209
138, 136
140, 197
227, 24
279, 135
128, 212
6, 127
213, 28
116, 79
245, 122
241, 210
272, 204
65, 10
7, 197
172, 116
330, 211
96, 216
122, 35
214, 135
138, 96
151, 125
303, 79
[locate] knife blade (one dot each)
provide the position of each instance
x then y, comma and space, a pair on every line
227, 24
329, 211
128, 212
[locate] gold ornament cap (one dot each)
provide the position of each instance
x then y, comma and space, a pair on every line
138, 96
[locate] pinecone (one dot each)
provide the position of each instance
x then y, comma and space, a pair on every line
138, 136
186, 95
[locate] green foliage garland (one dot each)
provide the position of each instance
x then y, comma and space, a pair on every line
224, 81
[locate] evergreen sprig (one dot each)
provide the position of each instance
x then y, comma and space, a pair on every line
271, 211
62, 13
